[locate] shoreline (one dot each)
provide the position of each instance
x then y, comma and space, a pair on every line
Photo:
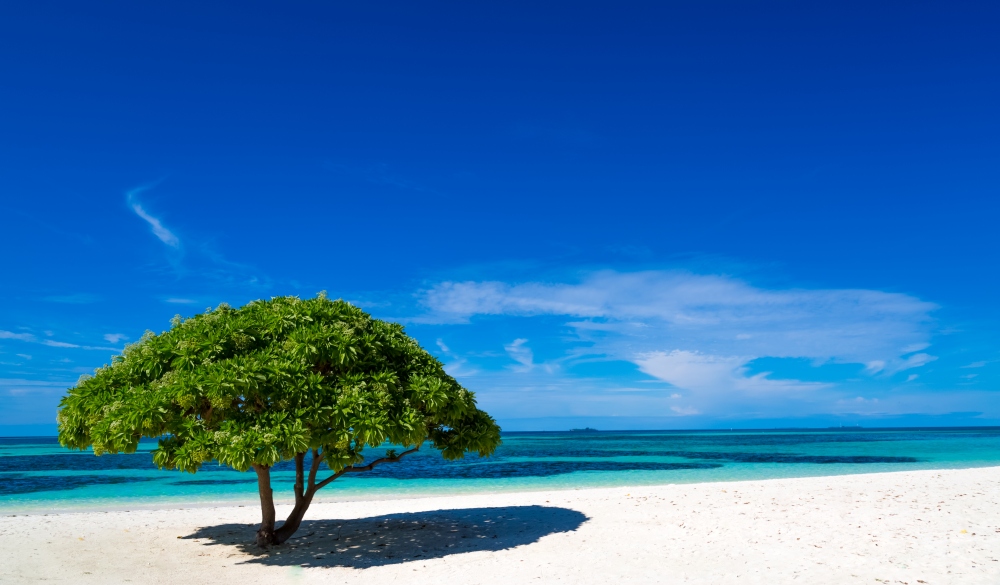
251, 500
85, 507
938, 526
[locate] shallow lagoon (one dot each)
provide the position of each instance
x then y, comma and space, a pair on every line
37, 475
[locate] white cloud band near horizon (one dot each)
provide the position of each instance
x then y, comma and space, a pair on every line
700, 332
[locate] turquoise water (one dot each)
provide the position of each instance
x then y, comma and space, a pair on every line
37, 475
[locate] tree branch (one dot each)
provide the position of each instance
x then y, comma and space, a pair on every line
369, 467
314, 469
299, 488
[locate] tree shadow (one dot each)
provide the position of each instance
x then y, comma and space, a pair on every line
399, 538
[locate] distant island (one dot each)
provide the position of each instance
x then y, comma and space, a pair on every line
584, 430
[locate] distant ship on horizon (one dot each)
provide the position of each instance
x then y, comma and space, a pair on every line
584, 430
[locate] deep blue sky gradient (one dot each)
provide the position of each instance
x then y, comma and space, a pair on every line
378, 150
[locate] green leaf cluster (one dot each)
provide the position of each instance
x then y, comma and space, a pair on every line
259, 384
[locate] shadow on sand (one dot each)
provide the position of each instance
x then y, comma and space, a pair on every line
400, 538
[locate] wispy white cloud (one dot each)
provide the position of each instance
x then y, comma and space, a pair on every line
692, 370
159, 230
685, 410
18, 336
459, 369
456, 366
915, 361
115, 337
521, 353
22, 387
979, 364
818, 323
859, 400
180, 301
53, 343
195, 258
847, 324
875, 366
925, 402
706, 372
29, 338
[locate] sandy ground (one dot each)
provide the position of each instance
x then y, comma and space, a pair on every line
930, 527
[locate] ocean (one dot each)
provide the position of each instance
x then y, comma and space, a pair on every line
38, 476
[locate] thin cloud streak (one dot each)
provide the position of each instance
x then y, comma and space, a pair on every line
979, 364
159, 230
29, 338
196, 260
23, 387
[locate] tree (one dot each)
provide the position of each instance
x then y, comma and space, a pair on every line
273, 381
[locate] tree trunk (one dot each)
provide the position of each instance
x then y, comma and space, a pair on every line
265, 534
303, 497
294, 519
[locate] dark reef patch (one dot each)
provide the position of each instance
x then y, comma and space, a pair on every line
15, 484
215, 481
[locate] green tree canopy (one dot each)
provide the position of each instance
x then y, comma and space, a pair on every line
272, 381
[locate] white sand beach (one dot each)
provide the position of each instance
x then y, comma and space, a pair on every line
929, 527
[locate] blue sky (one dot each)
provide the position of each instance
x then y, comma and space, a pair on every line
622, 215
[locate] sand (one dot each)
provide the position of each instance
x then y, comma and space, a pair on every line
911, 527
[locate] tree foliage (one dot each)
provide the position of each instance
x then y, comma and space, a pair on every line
270, 381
